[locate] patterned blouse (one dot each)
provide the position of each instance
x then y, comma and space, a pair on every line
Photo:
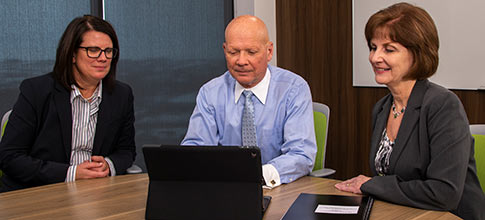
383, 154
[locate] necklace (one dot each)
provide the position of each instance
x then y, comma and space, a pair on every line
397, 113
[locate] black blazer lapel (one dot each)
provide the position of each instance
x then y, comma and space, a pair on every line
63, 106
409, 121
104, 117
380, 124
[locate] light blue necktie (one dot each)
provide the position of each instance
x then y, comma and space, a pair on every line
248, 128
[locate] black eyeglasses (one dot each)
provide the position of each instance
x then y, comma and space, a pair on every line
95, 52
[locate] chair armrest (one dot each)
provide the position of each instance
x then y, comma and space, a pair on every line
325, 172
133, 169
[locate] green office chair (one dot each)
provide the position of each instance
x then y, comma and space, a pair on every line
321, 114
478, 132
4, 124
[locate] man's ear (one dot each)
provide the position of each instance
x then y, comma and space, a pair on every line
269, 50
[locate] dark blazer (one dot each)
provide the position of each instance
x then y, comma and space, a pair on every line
432, 164
36, 146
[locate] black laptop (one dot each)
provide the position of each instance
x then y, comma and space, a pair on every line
195, 182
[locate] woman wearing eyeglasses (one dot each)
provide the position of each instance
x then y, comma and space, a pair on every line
76, 122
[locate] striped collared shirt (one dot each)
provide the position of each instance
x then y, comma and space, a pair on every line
84, 118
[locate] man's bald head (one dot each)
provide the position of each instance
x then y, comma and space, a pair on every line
247, 25
247, 49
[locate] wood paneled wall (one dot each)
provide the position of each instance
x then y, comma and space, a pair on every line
315, 40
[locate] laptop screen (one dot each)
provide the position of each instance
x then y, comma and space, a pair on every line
203, 182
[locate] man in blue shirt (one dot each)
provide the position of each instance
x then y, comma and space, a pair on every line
281, 102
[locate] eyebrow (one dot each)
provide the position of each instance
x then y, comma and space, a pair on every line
385, 44
389, 45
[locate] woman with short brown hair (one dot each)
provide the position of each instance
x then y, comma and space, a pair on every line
421, 151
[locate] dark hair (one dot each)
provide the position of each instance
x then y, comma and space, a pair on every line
70, 42
412, 27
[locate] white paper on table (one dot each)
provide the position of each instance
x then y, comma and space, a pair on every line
337, 209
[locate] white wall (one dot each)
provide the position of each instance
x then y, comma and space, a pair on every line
263, 9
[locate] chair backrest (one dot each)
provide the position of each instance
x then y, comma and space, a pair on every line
4, 122
321, 114
478, 132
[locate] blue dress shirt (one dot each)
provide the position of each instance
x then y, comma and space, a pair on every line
284, 123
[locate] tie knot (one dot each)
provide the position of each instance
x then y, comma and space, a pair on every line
247, 93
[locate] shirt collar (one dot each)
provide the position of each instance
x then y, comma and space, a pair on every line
260, 90
75, 92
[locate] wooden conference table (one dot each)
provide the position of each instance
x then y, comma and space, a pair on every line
124, 197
